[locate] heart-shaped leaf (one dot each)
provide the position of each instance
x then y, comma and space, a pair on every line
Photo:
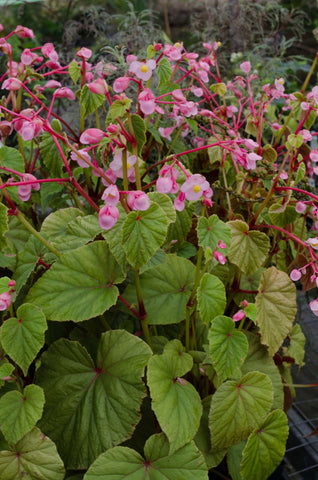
23, 337
265, 447
211, 230
80, 285
143, 233
90, 101
166, 289
249, 248
238, 407
228, 347
20, 412
276, 307
89, 407
211, 297
122, 462
175, 401
34, 457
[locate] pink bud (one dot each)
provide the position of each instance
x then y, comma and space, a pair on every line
108, 216
219, 257
64, 92
91, 135
24, 32
11, 283
99, 86
245, 67
238, 316
138, 200
80, 158
164, 184
313, 306
295, 275
12, 84
245, 303
113, 129
146, 101
179, 202
120, 84
300, 207
221, 244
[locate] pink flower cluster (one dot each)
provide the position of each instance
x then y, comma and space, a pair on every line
5, 297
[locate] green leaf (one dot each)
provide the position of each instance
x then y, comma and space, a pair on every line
90, 408
34, 457
164, 71
234, 458
180, 228
90, 101
3, 225
296, 348
276, 307
211, 230
4, 284
6, 369
74, 71
122, 462
49, 152
20, 412
23, 337
165, 203
80, 285
258, 360
215, 153
17, 233
265, 447
77, 232
119, 108
11, 158
282, 215
249, 248
139, 128
166, 289
228, 347
219, 88
269, 153
250, 127
301, 172
211, 297
143, 233
238, 407
175, 401
111, 236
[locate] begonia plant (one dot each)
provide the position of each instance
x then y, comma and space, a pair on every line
150, 250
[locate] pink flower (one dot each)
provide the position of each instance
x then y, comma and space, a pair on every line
173, 52
313, 242
138, 200
146, 101
24, 191
120, 84
99, 86
194, 187
219, 257
188, 109
111, 175
80, 161
142, 70
314, 155
48, 51
64, 92
92, 135
108, 216
85, 53
164, 184
295, 275
24, 32
28, 57
12, 84
314, 307
111, 196
166, 132
238, 316
5, 301
28, 127
245, 67
117, 166
52, 84
251, 159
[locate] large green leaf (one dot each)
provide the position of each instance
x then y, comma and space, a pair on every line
11, 158
296, 348
265, 447
120, 463
80, 285
111, 236
258, 360
211, 230
78, 232
17, 233
3, 224
166, 289
282, 215
23, 337
238, 407
249, 248
89, 407
276, 307
143, 233
90, 101
20, 412
178, 230
139, 128
211, 297
228, 347
175, 401
165, 203
54, 225
34, 457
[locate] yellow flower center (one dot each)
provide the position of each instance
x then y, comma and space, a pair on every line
219, 44
128, 165
177, 45
144, 68
196, 188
